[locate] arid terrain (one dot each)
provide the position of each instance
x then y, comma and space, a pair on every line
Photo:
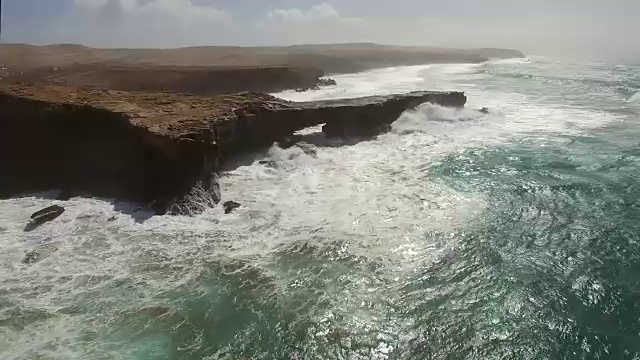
214, 70
338, 58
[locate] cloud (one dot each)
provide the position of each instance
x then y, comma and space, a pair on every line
574, 28
318, 24
320, 12
542, 27
143, 23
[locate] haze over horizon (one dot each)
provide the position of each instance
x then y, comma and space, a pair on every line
573, 28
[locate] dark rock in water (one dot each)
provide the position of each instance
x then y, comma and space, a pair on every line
321, 82
484, 110
327, 82
268, 163
229, 206
113, 218
45, 215
289, 141
308, 89
48, 213
308, 148
31, 257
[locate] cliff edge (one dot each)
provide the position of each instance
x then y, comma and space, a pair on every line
156, 148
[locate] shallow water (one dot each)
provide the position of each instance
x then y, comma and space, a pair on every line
512, 234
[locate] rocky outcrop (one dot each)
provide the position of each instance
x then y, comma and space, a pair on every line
229, 206
45, 215
159, 148
321, 83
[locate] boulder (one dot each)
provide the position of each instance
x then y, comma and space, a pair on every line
321, 82
45, 215
268, 163
31, 257
308, 148
229, 206
305, 89
327, 82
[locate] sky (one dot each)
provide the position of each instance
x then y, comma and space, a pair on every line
595, 28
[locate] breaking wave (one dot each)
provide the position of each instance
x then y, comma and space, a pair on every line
418, 119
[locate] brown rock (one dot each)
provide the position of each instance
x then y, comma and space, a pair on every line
45, 215
229, 206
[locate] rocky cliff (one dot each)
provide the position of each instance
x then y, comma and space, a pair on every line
154, 148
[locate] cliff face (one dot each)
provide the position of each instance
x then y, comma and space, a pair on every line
154, 148
85, 150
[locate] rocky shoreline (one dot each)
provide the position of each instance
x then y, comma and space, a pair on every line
156, 149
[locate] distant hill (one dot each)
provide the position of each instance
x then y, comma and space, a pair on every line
330, 58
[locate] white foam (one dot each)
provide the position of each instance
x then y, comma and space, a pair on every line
515, 61
635, 98
373, 82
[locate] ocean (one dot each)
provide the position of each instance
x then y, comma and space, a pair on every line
458, 235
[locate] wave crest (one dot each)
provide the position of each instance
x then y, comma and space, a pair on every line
419, 119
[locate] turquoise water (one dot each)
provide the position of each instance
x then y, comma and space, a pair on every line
459, 235
552, 270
